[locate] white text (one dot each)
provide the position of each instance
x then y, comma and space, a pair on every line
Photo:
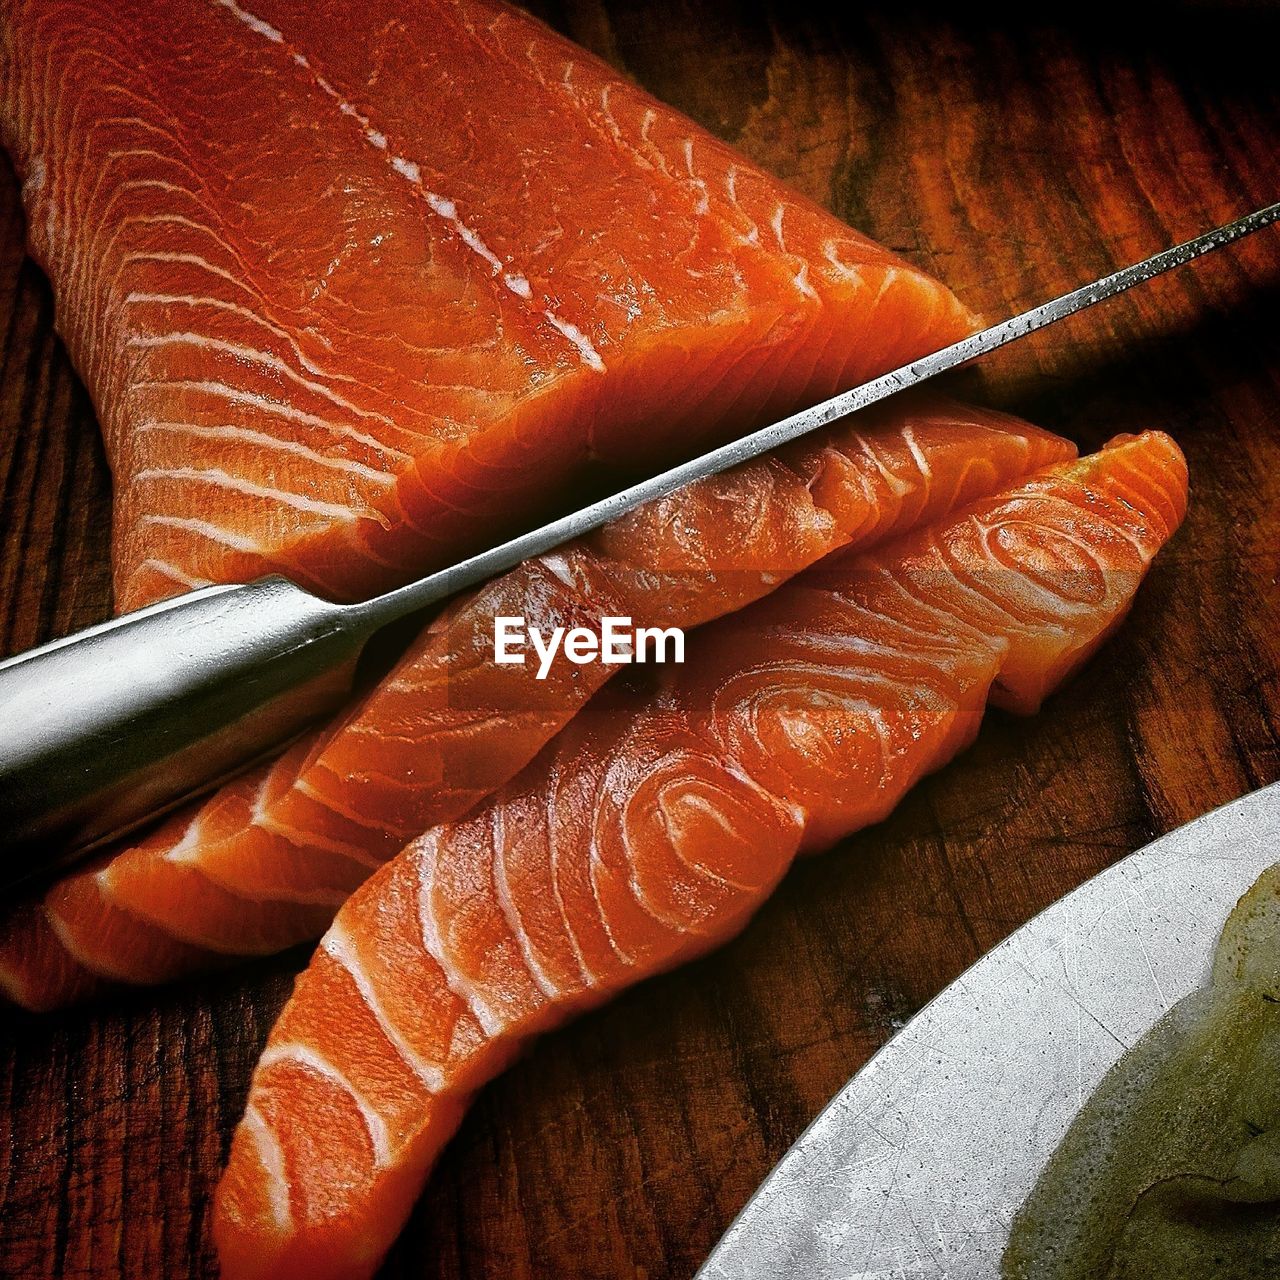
615, 644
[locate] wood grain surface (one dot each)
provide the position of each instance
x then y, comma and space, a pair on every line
1013, 161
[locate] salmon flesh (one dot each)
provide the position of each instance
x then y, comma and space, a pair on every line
653, 826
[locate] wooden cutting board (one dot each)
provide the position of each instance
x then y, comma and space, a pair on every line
1014, 163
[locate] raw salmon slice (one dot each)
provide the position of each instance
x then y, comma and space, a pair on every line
653, 827
352, 284
266, 862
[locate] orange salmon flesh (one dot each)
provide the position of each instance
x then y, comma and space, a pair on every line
652, 828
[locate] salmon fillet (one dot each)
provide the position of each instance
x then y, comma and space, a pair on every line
354, 286
653, 826
266, 862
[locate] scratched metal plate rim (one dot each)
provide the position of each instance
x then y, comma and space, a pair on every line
918, 1164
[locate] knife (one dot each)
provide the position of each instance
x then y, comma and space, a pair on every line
918, 1165
106, 728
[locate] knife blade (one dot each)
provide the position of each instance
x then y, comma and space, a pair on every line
918, 1165
109, 727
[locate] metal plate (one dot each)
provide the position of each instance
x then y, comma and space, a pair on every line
918, 1165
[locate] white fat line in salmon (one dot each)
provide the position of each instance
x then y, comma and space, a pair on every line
615, 644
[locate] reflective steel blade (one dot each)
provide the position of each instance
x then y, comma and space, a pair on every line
104, 729
918, 1165
499, 559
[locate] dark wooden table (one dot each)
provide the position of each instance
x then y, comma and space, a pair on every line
1013, 162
